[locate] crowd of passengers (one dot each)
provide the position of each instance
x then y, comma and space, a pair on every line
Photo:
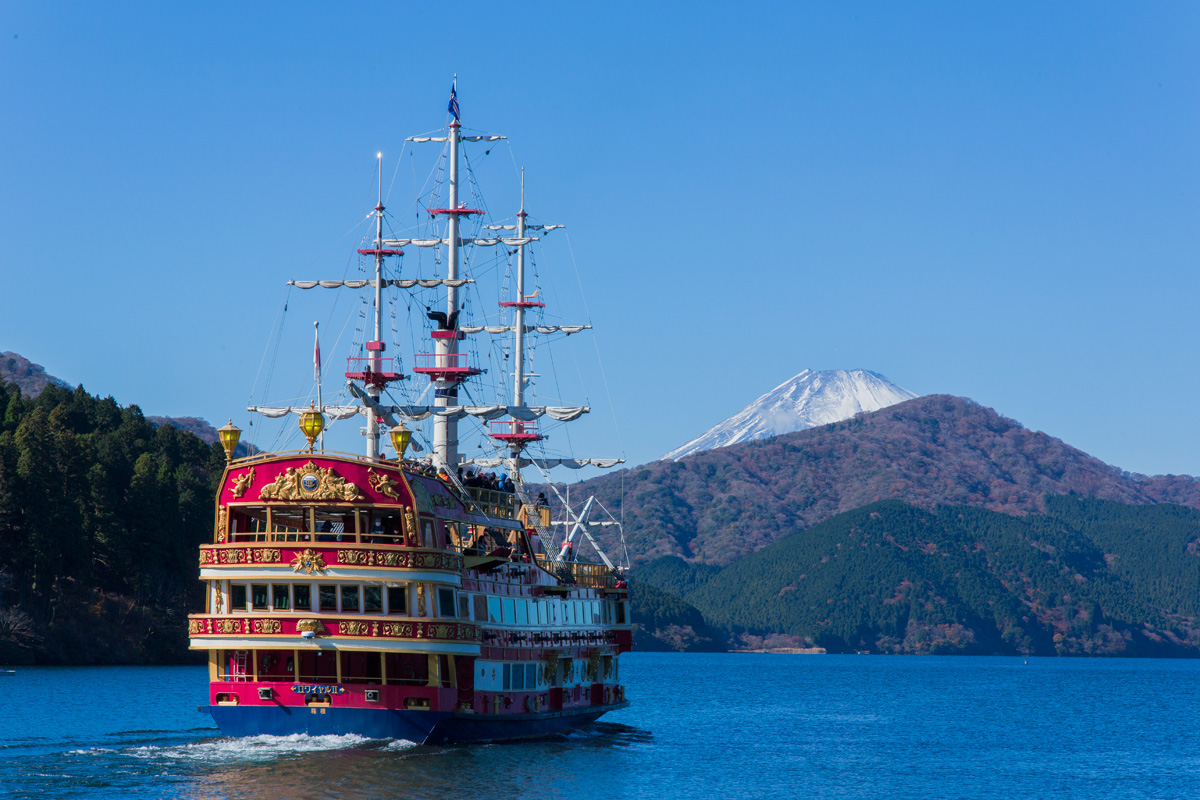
475, 479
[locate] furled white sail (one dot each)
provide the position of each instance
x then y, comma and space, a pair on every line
526, 413
567, 329
332, 412
547, 463
402, 283
515, 241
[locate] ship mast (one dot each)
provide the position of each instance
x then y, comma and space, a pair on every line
518, 395
445, 430
374, 363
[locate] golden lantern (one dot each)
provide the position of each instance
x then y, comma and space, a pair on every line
312, 422
401, 438
229, 436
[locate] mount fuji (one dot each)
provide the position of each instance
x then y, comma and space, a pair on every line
810, 399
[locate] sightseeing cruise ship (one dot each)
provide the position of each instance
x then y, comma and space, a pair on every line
417, 598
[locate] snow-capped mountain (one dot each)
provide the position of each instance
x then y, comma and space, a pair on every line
805, 401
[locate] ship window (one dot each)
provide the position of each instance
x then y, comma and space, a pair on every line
507, 677
334, 525
522, 612
350, 600
281, 597
446, 603
407, 668
445, 671
568, 613
397, 600
518, 677
237, 597
275, 665
318, 666
385, 528
427, 539
531, 676
328, 597
480, 603
464, 607
620, 613
493, 609
509, 613
258, 596
303, 596
361, 667
373, 599
596, 612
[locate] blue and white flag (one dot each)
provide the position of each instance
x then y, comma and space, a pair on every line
453, 107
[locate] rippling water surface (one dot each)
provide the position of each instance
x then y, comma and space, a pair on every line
700, 726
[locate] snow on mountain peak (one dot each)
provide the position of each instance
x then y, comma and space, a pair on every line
810, 399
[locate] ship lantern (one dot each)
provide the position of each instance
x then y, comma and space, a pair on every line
229, 436
401, 438
312, 422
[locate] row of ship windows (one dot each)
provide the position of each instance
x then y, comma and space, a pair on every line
531, 676
353, 598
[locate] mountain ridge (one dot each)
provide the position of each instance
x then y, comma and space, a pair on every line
806, 400
720, 505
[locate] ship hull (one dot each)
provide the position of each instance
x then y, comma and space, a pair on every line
422, 727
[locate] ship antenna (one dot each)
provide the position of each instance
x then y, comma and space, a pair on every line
445, 429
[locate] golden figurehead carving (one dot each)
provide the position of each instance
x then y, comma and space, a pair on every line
310, 482
313, 625
308, 562
420, 599
242, 482
383, 484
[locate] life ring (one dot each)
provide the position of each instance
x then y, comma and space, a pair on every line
529, 703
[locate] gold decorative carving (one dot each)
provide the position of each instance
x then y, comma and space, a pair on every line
266, 556
242, 482
267, 626
420, 599
218, 598
353, 628
404, 629
383, 484
310, 482
233, 556
313, 625
365, 557
308, 562
227, 626
411, 534
195, 626
222, 524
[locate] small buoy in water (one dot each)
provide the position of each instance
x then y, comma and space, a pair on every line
1027, 662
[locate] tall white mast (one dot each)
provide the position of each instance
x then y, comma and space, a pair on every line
445, 430
518, 395
376, 351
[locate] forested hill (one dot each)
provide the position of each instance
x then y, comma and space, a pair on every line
1087, 577
29, 377
720, 505
100, 517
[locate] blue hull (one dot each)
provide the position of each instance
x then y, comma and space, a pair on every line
424, 727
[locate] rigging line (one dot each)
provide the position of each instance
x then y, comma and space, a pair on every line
595, 342
287, 291
395, 172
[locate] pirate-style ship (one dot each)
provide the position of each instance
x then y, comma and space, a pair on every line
412, 599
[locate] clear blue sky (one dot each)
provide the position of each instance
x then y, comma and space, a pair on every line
998, 202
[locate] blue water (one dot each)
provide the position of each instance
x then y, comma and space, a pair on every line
700, 726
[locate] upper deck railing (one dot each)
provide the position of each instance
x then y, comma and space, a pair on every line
592, 576
493, 503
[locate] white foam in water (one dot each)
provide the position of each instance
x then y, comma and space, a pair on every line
253, 748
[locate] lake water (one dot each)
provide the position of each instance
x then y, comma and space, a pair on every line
701, 726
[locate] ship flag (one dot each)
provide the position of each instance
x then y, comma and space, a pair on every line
453, 106
316, 353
